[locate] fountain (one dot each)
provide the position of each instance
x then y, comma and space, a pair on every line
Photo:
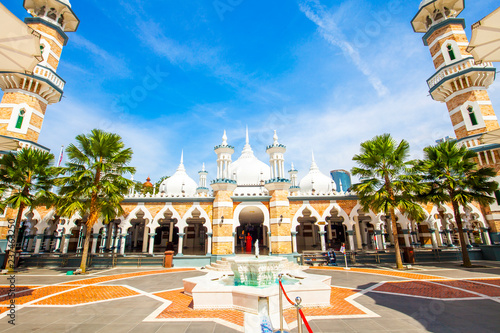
253, 281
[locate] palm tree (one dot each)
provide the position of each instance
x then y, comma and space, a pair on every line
388, 181
27, 176
92, 181
454, 178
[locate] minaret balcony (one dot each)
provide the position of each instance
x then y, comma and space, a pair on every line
43, 81
460, 75
278, 180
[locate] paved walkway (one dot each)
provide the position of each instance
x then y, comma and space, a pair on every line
445, 298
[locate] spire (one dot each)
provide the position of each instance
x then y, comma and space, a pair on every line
314, 166
224, 139
275, 137
181, 165
247, 150
293, 168
203, 168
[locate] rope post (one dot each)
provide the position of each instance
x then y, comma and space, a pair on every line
298, 300
280, 276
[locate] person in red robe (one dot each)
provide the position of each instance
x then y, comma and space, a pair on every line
249, 243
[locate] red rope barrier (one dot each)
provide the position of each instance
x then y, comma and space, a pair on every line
305, 321
286, 296
300, 310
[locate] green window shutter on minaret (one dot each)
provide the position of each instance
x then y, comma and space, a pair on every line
20, 119
472, 116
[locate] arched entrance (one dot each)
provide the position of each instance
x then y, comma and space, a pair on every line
167, 234
251, 220
308, 237
195, 237
335, 230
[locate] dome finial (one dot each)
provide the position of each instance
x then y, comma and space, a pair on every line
275, 138
247, 150
224, 139
293, 168
203, 168
314, 166
181, 165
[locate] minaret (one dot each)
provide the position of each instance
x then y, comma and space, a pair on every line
26, 95
460, 83
222, 213
293, 179
202, 186
276, 153
279, 205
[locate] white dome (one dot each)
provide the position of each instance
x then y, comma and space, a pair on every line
316, 180
179, 183
248, 169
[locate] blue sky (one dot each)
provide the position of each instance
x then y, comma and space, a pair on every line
172, 75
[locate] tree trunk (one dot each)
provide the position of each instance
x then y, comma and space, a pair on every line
399, 261
13, 241
463, 244
83, 265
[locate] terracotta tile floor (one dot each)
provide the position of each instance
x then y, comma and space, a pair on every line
5, 290
475, 287
124, 276
422, 288
181, 307
32, 294
88, 295
495, 282
413, 276
339, 306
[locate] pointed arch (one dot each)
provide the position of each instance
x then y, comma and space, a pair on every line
203, 213
44, 222
299, 213
259, 205
168, 206
341, 212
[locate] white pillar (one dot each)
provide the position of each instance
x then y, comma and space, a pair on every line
379, 238
323, 243
151, 242
67, 239
104, 238
116, 239
364, 232
122, 243
58, 242
466, 236
94, 243
181, 243
358, 236
145, 239
433, 238
406, 234
171, 232
471, 235
38, 243
486, 236
209, 243
234, 242
448, 237
350, 235
294, 241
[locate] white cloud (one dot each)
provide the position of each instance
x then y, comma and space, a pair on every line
64, 121
333, 34
101, 57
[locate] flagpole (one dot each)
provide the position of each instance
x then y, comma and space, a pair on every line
60, 156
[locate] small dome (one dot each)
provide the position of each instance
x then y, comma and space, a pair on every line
148, 183
180, 183
248, 169
316, 180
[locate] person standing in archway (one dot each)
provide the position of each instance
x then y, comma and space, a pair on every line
249, 243
242, 241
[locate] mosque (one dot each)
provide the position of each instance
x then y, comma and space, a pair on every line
261, 198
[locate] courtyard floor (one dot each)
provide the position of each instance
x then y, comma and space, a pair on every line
428, 298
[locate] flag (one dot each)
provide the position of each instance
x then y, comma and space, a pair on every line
60, 156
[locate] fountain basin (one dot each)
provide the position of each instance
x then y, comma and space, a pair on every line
256, 272
211, 292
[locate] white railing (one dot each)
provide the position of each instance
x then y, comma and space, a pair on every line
455, 68
49, 75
